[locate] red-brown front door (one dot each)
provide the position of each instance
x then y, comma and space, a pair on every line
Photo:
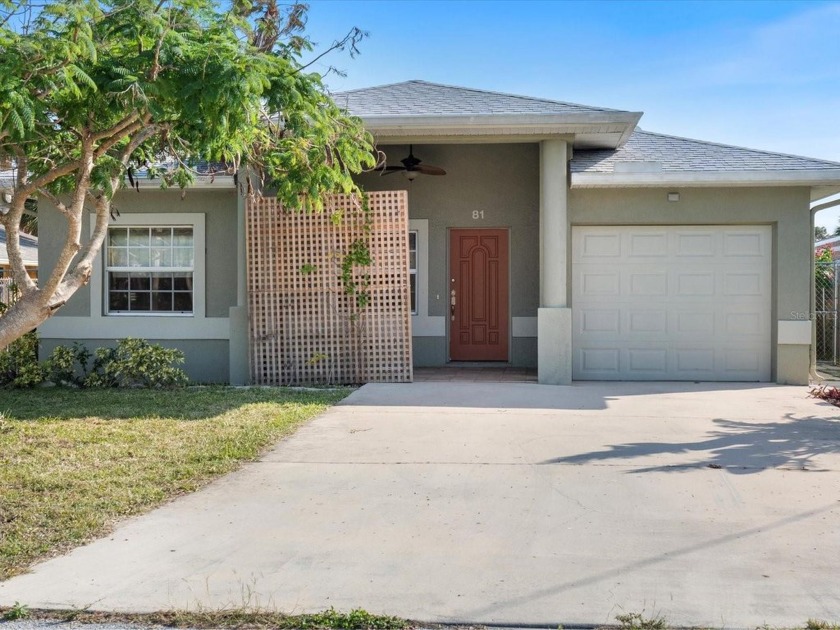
478, 295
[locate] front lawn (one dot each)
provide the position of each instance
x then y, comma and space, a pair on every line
72, 462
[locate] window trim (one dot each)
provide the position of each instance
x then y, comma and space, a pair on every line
196, 220
415, 271
422, 324
127, 269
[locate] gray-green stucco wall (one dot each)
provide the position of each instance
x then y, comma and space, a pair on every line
786, 209
206, 360
501, 184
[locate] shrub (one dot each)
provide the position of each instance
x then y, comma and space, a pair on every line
19, 365
136, 363
68, 365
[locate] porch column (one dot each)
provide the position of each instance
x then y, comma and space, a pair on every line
238, 364
554, 318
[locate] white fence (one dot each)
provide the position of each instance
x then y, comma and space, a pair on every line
6, 291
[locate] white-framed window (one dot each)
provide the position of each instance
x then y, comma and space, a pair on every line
412, 269
141, 266
149, 269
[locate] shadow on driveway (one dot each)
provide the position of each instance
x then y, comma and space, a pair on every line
739, 447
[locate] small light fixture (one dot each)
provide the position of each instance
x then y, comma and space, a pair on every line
673, 196
411, 175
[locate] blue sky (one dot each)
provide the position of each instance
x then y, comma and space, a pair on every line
759, 74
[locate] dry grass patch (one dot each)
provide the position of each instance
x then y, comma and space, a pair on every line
72, 462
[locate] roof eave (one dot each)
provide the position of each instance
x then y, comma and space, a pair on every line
612, 125
201, 181
827, 177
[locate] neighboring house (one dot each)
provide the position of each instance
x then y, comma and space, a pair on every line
29, 248
562, 236
833, 243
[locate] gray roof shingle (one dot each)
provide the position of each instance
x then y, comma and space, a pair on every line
675, 154
28, 246
421, 98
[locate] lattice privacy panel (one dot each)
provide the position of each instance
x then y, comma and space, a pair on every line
304, 327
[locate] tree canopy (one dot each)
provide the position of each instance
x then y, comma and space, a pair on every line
92, 89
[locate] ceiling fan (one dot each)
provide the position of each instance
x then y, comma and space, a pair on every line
413, 166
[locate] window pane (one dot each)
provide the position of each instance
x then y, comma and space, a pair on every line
412, 240
140, 301
183, 302
161, 237
182, 281
182, 236
118, 301
138, 237
117, 257
413, 291
138, 257
161, 257
412, 261
117, 236
139, 282
161, 301
119, 281
162, 281
182, 257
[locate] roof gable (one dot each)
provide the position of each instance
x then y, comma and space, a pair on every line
422, 98
419, 111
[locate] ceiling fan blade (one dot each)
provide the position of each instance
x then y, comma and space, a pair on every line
428, 169
390, 170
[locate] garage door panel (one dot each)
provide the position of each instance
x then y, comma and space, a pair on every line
691, 284
647, 322
646, 283
744, 244
600, 321
648, 245
743, 284
600, 360
695, 243
678, 303
599, 283
647, 360
694, 323
600, 245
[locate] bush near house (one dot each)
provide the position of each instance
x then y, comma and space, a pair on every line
133, 363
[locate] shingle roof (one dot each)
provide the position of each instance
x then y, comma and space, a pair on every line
675, 154
421, 98
28, 245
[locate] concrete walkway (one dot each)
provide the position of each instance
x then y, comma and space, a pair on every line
713, 505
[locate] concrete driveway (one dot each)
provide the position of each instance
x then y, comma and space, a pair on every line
713, 505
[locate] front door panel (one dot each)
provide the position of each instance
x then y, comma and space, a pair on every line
478, 295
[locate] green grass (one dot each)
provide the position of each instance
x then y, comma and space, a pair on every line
72, 462
357, 619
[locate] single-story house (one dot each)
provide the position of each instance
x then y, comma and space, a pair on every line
29, 249
832, 243
561, 236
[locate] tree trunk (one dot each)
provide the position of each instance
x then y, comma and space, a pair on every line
24, 315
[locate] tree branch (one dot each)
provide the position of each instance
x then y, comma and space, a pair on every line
117, 128
106, 146
59, 205
72, 240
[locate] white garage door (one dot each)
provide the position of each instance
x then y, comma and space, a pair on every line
671, 303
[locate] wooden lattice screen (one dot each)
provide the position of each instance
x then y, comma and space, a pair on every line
304, 327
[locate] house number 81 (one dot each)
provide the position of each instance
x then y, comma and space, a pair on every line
478, 214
